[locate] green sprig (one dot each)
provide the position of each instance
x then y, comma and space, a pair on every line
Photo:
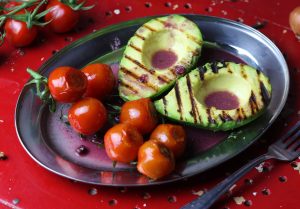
42, 89
75, 6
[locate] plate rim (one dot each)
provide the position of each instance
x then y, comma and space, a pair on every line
125, 24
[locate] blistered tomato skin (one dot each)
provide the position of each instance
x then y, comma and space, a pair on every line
172, 136
122, 143
155, 160
87, 116
61, 17
18, 34
66, 84
101, 80
141, 114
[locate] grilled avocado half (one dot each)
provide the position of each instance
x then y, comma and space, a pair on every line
217, 96
161, 50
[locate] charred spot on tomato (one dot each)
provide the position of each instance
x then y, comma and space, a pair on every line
76, 79
164, 150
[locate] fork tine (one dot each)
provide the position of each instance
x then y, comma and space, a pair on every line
296, 142
282, 139
292, 139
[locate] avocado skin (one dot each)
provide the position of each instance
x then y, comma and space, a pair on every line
132, 69
230, 125
217, 120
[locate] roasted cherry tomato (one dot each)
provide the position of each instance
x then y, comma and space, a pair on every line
139, 113
66, 84
155, 160
87, 116
62, 18
18, 34
122, 142
173, 136
101, 80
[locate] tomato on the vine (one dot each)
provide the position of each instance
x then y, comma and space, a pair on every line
122, 143
139, 113
87, 116
61, 17
101, 80
18, 33
173, 136
155, 160
9, 5
66, 84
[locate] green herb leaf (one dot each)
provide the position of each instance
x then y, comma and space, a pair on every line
42, 89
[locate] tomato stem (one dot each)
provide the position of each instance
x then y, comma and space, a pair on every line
73, 4
42, 89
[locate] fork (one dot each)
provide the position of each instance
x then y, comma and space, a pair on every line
286, 148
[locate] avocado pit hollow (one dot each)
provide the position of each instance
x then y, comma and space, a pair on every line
163, 59
222, 100
224, 92
164, 49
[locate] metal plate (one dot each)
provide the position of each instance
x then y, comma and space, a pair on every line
52, 144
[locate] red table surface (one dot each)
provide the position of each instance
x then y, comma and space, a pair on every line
25, 184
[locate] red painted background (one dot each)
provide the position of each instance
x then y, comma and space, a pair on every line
24, 184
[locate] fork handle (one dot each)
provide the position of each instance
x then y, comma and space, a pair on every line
206, 200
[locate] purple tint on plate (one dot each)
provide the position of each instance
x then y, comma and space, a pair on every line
215, 54
200, 140
115, 69
64, 141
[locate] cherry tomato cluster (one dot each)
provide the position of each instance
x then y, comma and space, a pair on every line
156, 156
85, 89
124, 142
22, 19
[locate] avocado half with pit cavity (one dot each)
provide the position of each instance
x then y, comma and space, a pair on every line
217, 96
161, 50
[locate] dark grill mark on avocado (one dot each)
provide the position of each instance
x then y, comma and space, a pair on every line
253, 103
217, 65
189, 36
178, 99
264, 92
140, 37
165, 105
239, 114
135, 48
224, 64
202, 71
243, 113
214, 67
258, 72
121, 83
149, 28
225, 116
195, 53
163, 79
209, 117
136, 62
139, 78
243, 71
194, 110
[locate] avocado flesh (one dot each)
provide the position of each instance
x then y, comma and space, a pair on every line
186, 101
138, 78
